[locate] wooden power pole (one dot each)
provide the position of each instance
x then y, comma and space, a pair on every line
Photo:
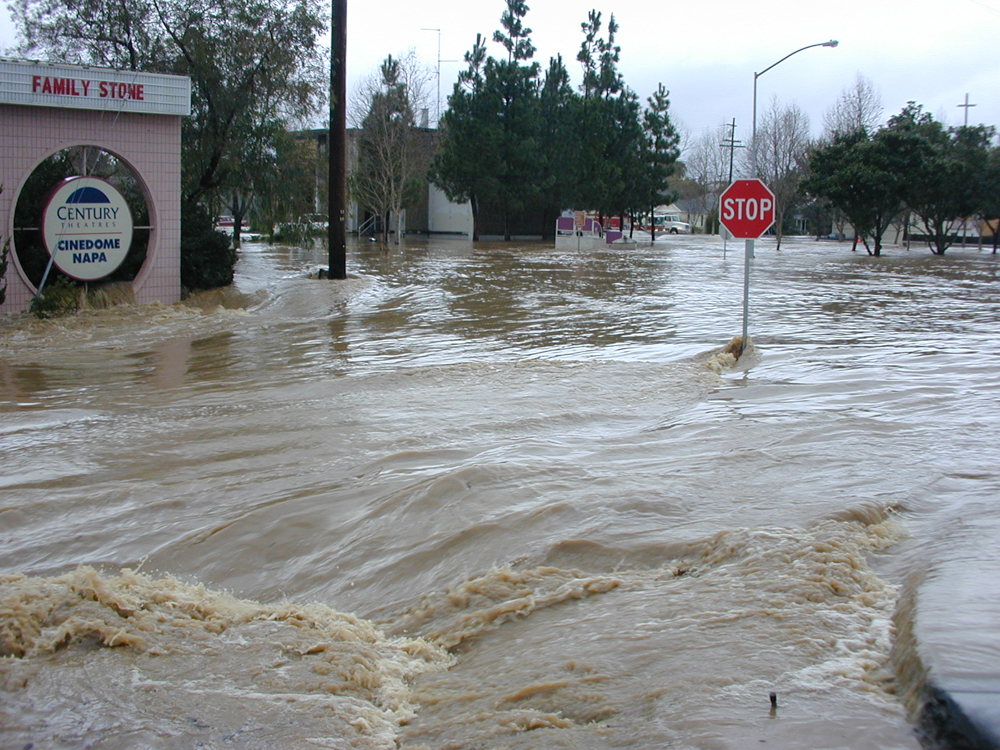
337, 143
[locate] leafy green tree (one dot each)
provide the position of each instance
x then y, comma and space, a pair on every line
989, 207
640, 170
660, 154
602, 111
627, 154
250, 64
126, 34
970, 164
295, 186
558, 150
515, 86
599, 57
467, 161
944, 180
492, 130
520, 141
251, 170
862, 177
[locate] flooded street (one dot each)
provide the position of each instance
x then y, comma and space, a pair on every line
504, 497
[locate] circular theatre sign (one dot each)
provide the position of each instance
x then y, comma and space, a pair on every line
87, 226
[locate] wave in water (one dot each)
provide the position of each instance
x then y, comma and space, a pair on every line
129, 660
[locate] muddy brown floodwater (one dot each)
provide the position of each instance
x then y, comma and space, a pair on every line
499, 496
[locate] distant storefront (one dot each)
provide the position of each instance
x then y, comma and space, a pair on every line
90, 168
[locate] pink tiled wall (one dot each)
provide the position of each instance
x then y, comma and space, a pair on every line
151, 144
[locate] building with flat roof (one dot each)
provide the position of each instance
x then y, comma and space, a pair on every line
92, 119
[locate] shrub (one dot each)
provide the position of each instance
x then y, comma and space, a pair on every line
61, 297
207, 256
297, 233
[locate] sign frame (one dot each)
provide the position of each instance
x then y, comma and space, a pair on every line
746, 208
85, 87
87, 227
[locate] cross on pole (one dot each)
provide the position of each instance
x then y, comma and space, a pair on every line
966, 108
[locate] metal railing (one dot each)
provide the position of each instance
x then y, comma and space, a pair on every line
367, 226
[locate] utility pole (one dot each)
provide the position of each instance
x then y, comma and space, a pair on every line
337, 143
732, 144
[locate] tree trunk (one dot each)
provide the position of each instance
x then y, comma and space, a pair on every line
548, 224
474, 202
238, 206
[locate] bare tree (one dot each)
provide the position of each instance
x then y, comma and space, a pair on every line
858, 108
391, 158
706, 167
782, 156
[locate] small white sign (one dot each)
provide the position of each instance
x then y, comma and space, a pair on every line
87, 227
83, 87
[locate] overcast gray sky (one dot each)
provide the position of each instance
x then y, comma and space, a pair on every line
706, 52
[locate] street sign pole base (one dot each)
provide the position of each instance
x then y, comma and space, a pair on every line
748, 254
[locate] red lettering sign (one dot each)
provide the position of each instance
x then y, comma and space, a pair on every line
80, 87
121, 91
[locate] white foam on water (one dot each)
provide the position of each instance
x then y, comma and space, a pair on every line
118, 658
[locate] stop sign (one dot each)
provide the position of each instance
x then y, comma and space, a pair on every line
746, 209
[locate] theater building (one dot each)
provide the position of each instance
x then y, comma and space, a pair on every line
90, 168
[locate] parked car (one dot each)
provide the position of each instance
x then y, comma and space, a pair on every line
225, 223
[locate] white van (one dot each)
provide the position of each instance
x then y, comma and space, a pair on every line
670, 224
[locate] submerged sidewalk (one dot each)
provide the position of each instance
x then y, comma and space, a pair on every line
958, 636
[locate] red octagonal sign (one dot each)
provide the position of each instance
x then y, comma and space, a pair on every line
746, 209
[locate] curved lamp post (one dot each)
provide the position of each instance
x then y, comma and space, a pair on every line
749, 253
831, 43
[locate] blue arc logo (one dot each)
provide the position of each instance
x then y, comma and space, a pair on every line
87, 195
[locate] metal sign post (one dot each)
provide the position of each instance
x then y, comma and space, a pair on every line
746, 209
746, 290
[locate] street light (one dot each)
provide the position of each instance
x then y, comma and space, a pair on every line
831, 43
749, 252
